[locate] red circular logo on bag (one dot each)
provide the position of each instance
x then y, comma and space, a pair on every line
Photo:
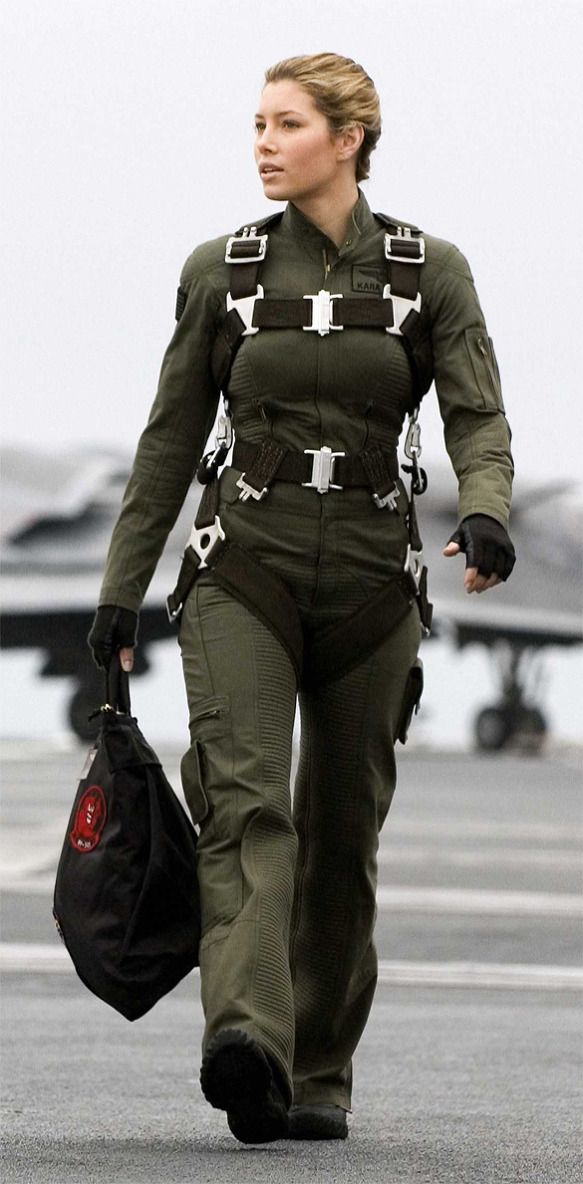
90, 820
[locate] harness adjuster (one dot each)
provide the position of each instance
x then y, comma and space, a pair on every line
245, 306
323, 462
390, 499
204, 539
413, 568
322, 312
248, 247
402, 306
403, 248
248, 490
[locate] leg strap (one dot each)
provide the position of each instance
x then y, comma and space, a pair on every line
349, 642
265, 595
316, 659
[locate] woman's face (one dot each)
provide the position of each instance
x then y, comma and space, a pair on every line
296, 153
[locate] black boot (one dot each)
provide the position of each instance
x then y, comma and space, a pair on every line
237, 1076
318, 1121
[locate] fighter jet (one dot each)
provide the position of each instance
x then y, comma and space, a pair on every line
59, 510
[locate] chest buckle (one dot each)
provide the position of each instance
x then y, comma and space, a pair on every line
322, 306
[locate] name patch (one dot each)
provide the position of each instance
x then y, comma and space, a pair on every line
368, 279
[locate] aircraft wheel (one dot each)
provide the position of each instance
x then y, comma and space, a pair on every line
493, 728
530, 729
82, 703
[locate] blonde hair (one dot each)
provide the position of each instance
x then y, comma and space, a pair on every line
342, 91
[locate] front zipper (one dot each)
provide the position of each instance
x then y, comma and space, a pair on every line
326, 265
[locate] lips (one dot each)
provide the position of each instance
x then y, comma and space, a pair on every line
269, 170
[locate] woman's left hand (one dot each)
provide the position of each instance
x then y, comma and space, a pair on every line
490, 555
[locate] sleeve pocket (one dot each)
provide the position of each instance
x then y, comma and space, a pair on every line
411, 700
485, 369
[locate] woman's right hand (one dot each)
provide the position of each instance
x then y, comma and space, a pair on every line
114, 630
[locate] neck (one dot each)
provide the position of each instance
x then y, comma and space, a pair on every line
331, 212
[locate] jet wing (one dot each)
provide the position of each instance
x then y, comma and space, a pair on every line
541, 603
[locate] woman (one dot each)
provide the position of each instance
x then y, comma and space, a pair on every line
322, 327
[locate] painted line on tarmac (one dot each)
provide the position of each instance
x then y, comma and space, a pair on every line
479, 902
462, 902
36, 958
478, 828
554, 857
482, 974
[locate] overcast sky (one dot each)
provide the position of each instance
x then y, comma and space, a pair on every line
128, 140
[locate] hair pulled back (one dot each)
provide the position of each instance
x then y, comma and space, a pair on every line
342, 91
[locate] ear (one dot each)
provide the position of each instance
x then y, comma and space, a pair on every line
349, 141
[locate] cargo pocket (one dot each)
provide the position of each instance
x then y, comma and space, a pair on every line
480, 349
411, 700
191, 777
212, 795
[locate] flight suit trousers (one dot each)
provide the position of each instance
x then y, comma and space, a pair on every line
288, 889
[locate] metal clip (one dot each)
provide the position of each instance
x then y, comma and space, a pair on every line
413, 566
244, 255
245, 306
402, 306
390, 499
405, 236
412, 447
322, 469
224, 436
204, 538
322, 312
248, 491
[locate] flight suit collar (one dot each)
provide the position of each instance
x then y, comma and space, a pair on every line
296, 223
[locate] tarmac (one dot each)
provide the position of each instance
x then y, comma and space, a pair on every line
469, 1069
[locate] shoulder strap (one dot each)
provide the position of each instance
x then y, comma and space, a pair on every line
405, 254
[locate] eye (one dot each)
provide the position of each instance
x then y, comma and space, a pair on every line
259, 127
290, 123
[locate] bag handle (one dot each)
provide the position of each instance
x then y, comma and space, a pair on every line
117, 687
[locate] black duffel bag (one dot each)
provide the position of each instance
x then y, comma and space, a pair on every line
126, 899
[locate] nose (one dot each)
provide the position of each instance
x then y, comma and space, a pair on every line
265, 140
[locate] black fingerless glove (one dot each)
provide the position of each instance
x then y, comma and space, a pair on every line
486, 545
112, 629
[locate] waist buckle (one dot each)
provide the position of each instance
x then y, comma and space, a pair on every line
323, 462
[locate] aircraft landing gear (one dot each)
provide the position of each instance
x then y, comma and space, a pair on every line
513, 721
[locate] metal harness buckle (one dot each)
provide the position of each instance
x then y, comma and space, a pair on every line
413, 567
390, 499
244, 306
323, 463
322, 314
203, 539
402, 306
404, 235
248, 491
248, 247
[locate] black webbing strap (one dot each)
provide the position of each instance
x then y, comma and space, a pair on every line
345, 644
381, 468
362, 312
208, 507
372, 469
265, 595
263, 463
244, 278
186, 577
225, 347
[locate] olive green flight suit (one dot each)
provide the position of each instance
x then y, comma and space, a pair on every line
288, 894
